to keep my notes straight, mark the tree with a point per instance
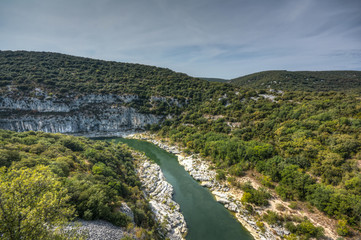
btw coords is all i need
(33, 204)
(7, 157)
(294, 183)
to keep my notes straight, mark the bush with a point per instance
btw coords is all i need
(342, 228)
(260, 225)
(272, 218)
(236, 170)
(258, 197)
(8, 156)
(221, 175)
(306, 229)
(72, 144)
(267, 181)
(293, 205)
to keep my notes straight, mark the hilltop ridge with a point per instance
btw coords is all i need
(302, 80)
(65, 74)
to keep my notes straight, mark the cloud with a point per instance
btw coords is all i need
(213, 38)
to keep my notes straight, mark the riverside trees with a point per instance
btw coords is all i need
(308, 144)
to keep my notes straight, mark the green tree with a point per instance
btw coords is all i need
(33, 204)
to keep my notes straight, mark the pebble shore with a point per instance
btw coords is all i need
(101, 230)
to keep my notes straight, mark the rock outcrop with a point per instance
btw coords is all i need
(92, 115)
(159, 193)
(124, 208)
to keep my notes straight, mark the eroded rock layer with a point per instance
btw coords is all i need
(88, 115)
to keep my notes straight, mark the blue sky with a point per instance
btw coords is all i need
(210, 38)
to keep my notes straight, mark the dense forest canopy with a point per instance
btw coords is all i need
(85, 178)
(302, 80)
(215, 79)
(63, 74)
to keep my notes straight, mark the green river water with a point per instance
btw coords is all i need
(206, 218)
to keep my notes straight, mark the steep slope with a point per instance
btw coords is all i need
(302, 80)
(304, 146)
(95, 115)
(54, 92)
(63, 75)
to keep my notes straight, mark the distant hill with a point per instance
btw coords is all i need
(302, 80)
(215, 79)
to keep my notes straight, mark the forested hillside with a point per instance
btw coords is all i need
(58, 75)
(54, 178)
(62, 74)
(214, 79)
(302, 80)
(305, 144)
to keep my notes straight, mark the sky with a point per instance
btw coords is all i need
(202, 38)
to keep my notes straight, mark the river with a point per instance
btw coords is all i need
(205, 217)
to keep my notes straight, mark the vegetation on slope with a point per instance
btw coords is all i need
(307, 144)
(52, 178)
(31, 202)
(302, 80)
(215, 79)
(62, 75)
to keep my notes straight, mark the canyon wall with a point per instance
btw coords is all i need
(87, 115)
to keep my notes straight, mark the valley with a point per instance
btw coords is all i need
(206, 219)
(299, 145)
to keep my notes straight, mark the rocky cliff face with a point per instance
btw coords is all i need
(88, 115)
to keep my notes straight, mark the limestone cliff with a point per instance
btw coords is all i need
(88, 115)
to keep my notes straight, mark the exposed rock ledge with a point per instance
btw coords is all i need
(200, 171)
(159, 194)
(93, 115)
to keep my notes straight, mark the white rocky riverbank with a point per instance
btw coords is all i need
(159, 193)
(99, 230)
(200, 171)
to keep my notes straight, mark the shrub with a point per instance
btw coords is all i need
(267, 181)
(8, 156)
(72, 144)
(261, 226)
(342, 228)
(221, 175)
(280, 207)
(272, 218)
(293, 205)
